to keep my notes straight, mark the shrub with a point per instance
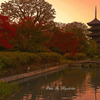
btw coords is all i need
(7, 90)
(63, 61)
(13, 59)
(1, 64)
(81, 56)
(50, 57)
(77, 56)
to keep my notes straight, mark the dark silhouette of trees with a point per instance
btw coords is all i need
(19, 9)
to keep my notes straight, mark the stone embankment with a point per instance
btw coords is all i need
(34, 73)
(89, 63)
(44, 71)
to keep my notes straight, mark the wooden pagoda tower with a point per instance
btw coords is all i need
(95, 29)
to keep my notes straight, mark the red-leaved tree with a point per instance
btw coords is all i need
(64, 42)
(31, 37)
(7, 32)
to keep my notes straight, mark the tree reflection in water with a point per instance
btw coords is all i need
(84, 82)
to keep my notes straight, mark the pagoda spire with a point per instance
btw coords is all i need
(95, 12)
(95, 21)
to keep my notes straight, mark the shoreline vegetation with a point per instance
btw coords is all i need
(13, 63)
(36, 62)
(32, 40)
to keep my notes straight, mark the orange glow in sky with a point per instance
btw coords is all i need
(74, 10)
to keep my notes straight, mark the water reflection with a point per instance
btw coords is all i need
(71, 84)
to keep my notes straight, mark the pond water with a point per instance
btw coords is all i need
(70, 84)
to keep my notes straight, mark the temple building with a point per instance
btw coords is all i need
(95, 29)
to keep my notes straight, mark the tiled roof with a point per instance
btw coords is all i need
(94, 28)
(94, 22)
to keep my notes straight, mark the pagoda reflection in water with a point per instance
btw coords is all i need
(95, 29)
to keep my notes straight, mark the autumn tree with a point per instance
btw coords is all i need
(19, 9)
(52, 27)
(60, 25)
(80, 30)
(64, 42)
(7, 32)
(77, 27)
(30, 36)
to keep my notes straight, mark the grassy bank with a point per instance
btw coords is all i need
(12, 63)
(7, 90)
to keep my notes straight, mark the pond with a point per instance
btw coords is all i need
(69, 84)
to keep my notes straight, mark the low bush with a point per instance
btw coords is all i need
(50, 57)
(77, 56)
(13, 59)
(63, 61)
(7, 90)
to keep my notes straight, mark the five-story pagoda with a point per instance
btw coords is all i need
(95, 29)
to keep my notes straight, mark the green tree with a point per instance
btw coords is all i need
(19, 9)
(92, 49)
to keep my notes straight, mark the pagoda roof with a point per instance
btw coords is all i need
(94, 28)
(94, 22)
(95, 35)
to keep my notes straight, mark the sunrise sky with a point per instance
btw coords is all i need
(74, 10)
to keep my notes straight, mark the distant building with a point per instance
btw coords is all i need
(95, 29)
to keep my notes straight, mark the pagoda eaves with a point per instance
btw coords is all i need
(95, 29)
(94, 22)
